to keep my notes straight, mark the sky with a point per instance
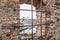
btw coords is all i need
(27, 14)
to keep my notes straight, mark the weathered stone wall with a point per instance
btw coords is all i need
(9, 11)
(54, 31)
(9, 14)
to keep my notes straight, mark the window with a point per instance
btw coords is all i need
(26, 18)
(30, 14)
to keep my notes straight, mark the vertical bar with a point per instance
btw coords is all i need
(19, 21)
(46, 25)
(46, 22)
(32, 16)
(41, 18)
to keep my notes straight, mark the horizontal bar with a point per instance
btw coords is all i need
(33, 25)
(25, 9)
(31, 10)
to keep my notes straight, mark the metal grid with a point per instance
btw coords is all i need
(40, 18)
(41, 24)
(41, 12)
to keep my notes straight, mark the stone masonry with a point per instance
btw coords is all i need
(9, 15)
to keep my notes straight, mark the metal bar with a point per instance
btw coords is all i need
(22, 9)
(19, 21)
(46, 22)
(31, 10)
(41, 17)
(46, 26)
(33, 25)
(32, 16)
(26, 10)
(32, 21)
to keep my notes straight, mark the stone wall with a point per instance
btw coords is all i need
(9, 15)
(54, 30)
(9, 12)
